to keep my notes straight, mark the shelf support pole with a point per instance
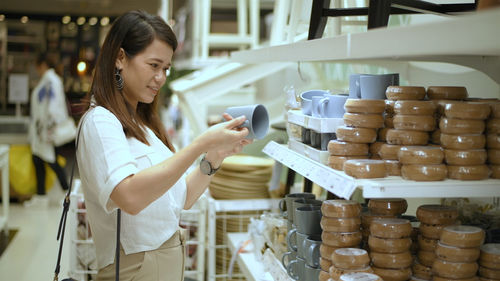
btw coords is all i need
(318, 21)
(378, 13)
(290, 179)
(307, 185)
(330, 196)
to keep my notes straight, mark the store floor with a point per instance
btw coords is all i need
(32, 253)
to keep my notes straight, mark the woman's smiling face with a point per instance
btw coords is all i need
(144, 74)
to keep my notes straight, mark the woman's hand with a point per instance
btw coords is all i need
(219, 141)
(228, 139)
(223, 134)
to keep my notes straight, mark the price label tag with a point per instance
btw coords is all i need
(333, 181)
(349, 188)
(320, 175)
(268, 149)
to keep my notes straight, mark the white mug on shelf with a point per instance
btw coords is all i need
(332, 106)
(373, 87)
(306, 99)
(315, 106)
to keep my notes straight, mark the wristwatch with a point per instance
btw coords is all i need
(206, 167)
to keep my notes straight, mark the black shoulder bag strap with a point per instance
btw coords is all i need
(62, 222)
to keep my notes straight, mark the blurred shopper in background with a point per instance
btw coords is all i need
(48, 107)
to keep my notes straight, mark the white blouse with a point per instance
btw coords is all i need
(106, 157)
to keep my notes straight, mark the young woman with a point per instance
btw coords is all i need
(126, 160)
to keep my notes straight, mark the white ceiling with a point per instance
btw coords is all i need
(77, 7)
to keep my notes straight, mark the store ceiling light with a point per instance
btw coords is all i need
(2, 17)
(24, 19)
(81, 67)
(81, 20)
(66, 19)
(104, 21)
(93, 21)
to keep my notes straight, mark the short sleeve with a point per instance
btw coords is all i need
(105, 158)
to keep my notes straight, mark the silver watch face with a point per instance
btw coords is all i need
(205, 167)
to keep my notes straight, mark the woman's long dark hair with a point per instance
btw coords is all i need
(134, 31)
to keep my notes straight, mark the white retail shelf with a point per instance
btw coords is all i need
(245, 205)
(320, 125)
(471, 40)
(86, 241)
(397, 187)
(333, 181)
(342, 185)
(308, 151)
(264, 268)
(252, 268)
(274, 266)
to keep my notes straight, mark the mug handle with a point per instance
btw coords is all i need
(281, 205)
(313, 251)
(289, 239)
(358, 88)
(283, 259)
(290, 272)
(322, 107)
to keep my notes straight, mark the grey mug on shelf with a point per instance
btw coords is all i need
(301, 202)
(295, 269)
(311, 250)
(306, 100)
(373, 87)
(291, 240)
(311, 273)
(332, 106)
(286, 203)
(307, 219)
(290, 256)
(300, 239)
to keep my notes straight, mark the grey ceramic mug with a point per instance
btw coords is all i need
(301, 202)
(311, 250)
(291, 240)
(290, 256)
(373, 87)
(300, 239)
(257, 117)
(332, 106)
(285, 204)
(307, 219)
(295, 269)
(311, 273)
(354, 90)
(306, 99)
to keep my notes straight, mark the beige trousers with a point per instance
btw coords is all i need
(163, 264)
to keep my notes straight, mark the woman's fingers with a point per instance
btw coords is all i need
(242, 133)
(246, 142)
(234, 123)
(227, 116)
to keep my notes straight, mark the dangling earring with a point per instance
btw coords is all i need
(118, 79)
